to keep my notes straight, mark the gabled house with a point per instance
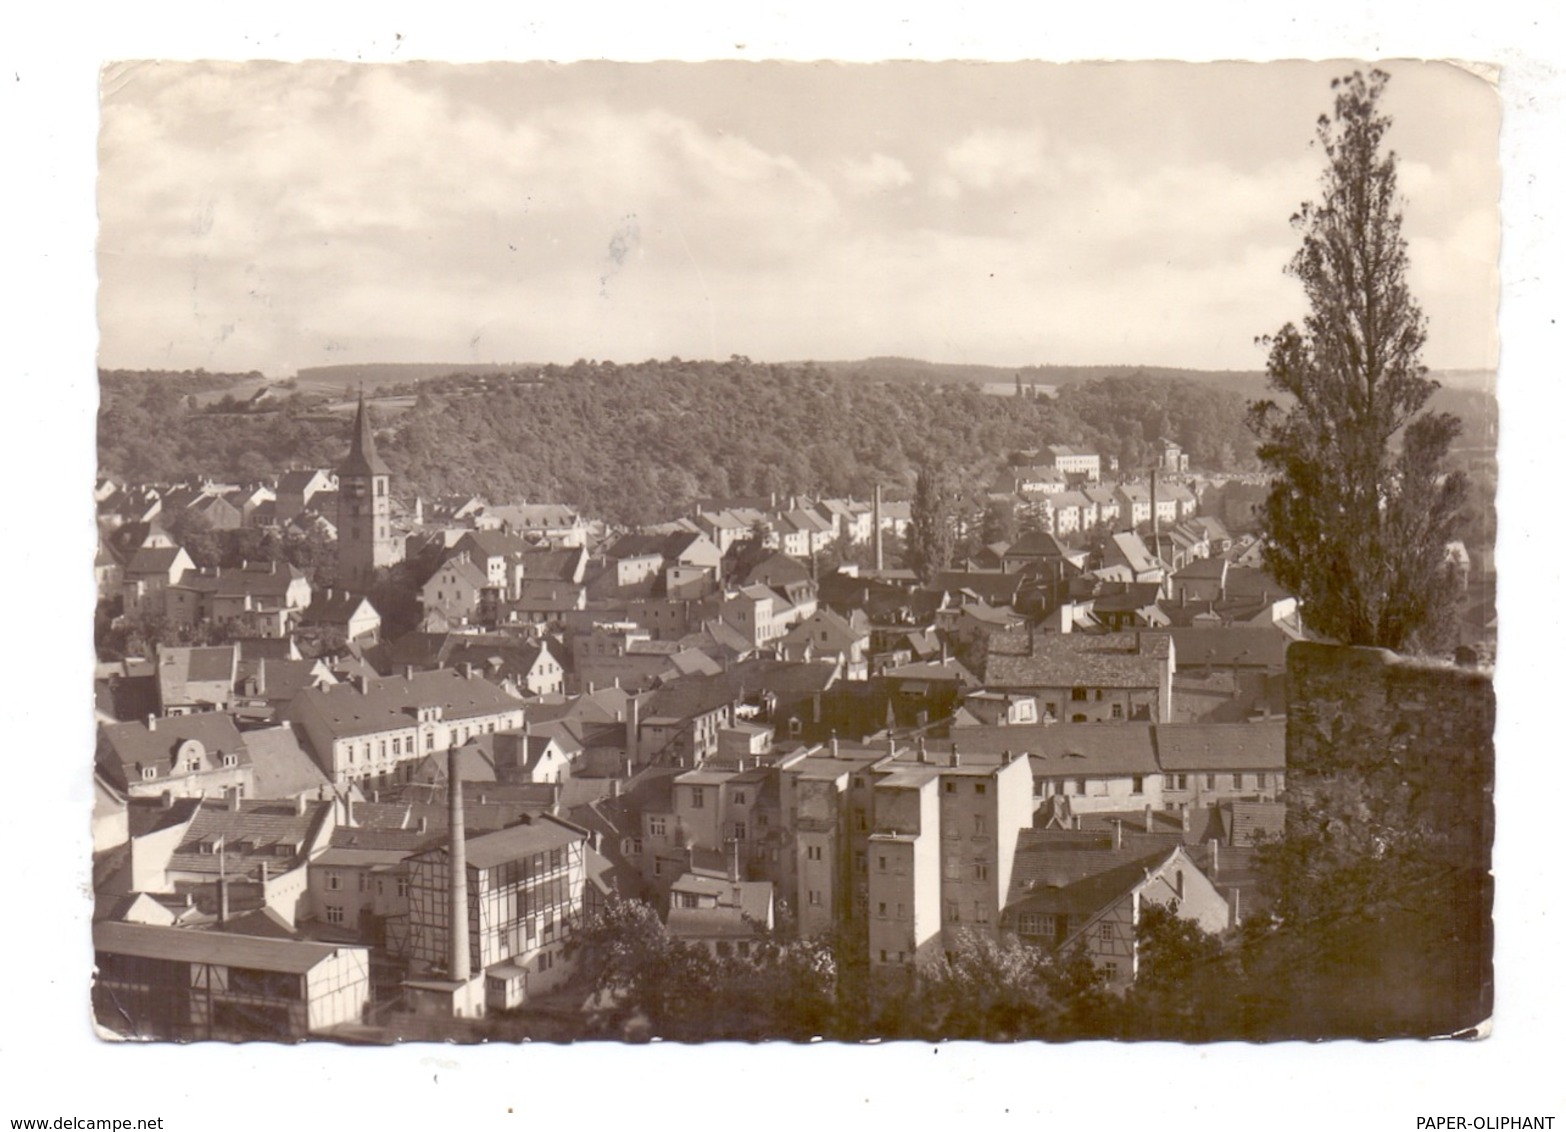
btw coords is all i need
(182, 756)
(1082, 678)
(196, 679)
(1072, 888)
(148, 574)
(827, 636)
(455, 590)
(337, 612)
(297, 489)
(374, 730)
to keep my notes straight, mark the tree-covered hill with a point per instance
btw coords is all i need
(640, 442)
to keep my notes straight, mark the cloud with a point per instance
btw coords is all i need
(992, 159)
(875, 174)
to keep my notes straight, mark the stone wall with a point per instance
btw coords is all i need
(1391, 775)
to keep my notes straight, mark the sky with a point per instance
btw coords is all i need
(272, 216)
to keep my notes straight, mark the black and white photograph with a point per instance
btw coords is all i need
(865, 558)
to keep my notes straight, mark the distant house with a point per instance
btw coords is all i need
(183, 756)
(726, 917)
(1115, 678)
(455, 590)
(196, 679)
(553, 523)
(374, 730)
(148, 574)
(827, 635)
(339, 611)
(1073, 462)
(296, 491)
(1069, 888)
(176, 984)
(526, 889)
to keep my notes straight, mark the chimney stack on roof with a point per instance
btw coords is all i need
(1119, 832)
(956, 758)
(152, 721)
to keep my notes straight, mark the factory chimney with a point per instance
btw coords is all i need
(457, 913)
(876, 520)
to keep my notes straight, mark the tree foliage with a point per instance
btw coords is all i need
(932, 526)
(1363, 508)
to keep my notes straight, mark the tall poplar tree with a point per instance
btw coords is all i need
(932, 535)
(1363, 507)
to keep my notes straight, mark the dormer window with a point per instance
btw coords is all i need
(149, 772)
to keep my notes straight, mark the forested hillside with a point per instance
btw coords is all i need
(638, 443)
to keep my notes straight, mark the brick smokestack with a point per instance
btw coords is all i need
(879, 562)
(457, 914)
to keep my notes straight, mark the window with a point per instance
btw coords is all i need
(230, 760)
(402, 887)
(636, 846)
(813, 853)
(364, 882)
(953, 914)
(688, 900)
(880, 909)
(883, 955)
(980, 787)
(981, 870)
(698, 798)
(429, 740)
(1212, 782)
(1261, 782)
(657, 868)
(1106, 931)
(1136, 784)
(981, 914)
(1078, 695)
(1239, 782)
(148, 772)
(739, 797)
(334, 914)
(1030, 923)
(953, 870)
(1082, 786)
(1098, 693)
(880, 863)
(739, 831)
(815, 897)
(655, 827)
(334, 881)
(978, 825)
(1174, 782)
(1117, 711)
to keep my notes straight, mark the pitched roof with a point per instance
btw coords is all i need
(1064, 750)
(250, 834)
(126, 748)
(363, 459)
(186, 945)
(280, 765)
(153, 560)
(392, 701)
(491, 849)
(1076, 872)
(1249, 646)
(334, 607)
(1060, 660)
(1221, 746)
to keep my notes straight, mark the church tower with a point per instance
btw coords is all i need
(365, 542)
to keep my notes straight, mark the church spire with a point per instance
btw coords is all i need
(363, 459)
